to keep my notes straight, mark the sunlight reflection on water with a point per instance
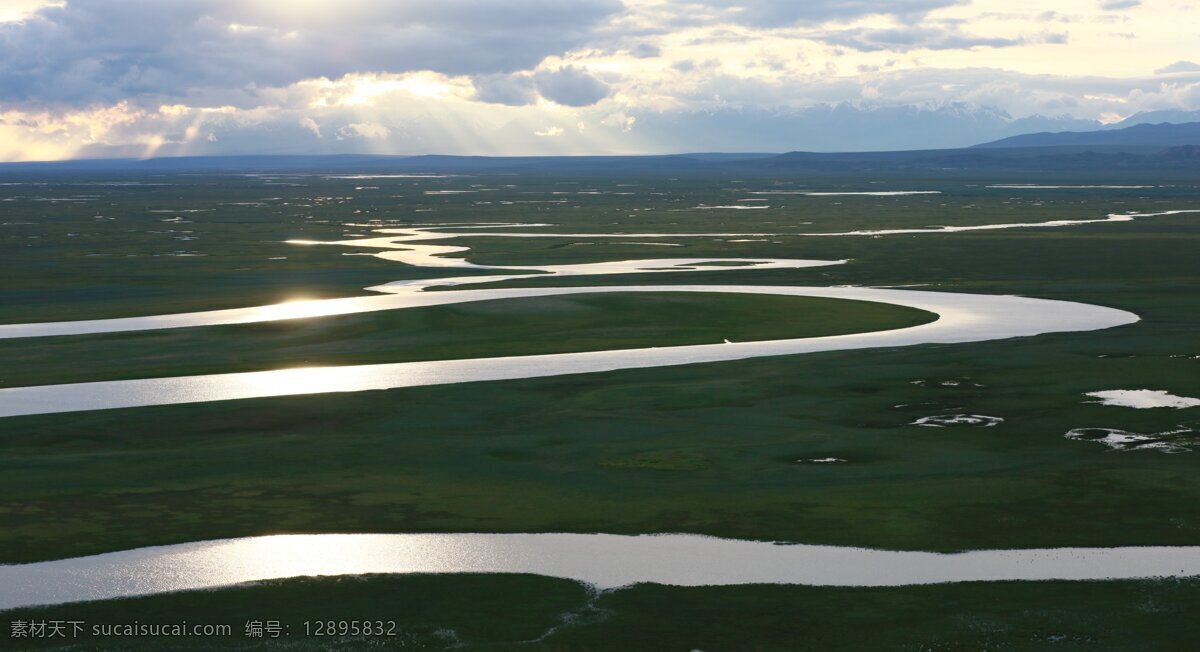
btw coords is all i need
(602, 560)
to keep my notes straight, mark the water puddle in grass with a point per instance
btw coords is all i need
(738, 207)
(603, 560)
(1143, 399)
(1030, 186)
(944, 420)
(415, 175)
(881, 193)
(877, 193)
(1180, 440)
(951, 382)
(1116, 217)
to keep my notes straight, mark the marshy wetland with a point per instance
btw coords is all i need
(722, 446)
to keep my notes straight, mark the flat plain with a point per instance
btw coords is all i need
(714, 449)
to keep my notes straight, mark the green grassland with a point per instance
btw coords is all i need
(516, 612)
(112, 254)
(704, 448)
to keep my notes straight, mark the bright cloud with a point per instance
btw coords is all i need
(15, 10)
(136, 78)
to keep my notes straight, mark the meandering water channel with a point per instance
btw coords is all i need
(605, 561)
(962, 318)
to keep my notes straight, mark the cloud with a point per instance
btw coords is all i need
(566, 85)
(914, 108)
(571, 86)
(1179, 66)
(645, 50)
(225, 51)
(364, 130)
(14, 10)
(1048, 16)
(1015, 93)
(513, 90)
(311, 125)
(904, 39)
(132, 77)
(621, 120)
(785, 13)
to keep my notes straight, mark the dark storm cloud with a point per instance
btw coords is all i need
(108, 50)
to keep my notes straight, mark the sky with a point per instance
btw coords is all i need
(135, 78)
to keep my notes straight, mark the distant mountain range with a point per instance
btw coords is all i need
(1173, 116)
(848, 127)
(1138, 137)
(1159, 151)
(841, 127)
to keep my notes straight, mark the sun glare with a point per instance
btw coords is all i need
(14, 10)
(295, 309)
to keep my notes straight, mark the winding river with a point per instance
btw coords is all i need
(605, 561)
(961, 318)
